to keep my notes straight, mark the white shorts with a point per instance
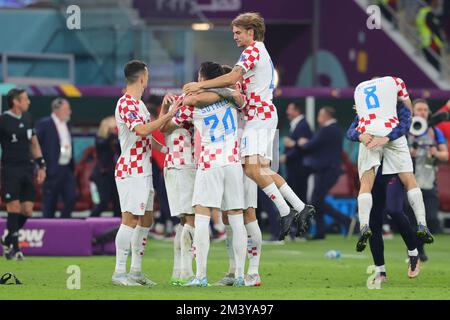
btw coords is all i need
(250, 193)
(136, 194)
(258, 138)
(180, 189)
(395, 156)
(220, 188)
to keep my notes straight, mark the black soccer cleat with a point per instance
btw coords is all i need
(304, 221)
(413, 266)
(424, 234)
(366, 233)
(286, 223)
(7, 249)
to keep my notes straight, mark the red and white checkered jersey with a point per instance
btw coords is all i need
(135, 158)
(258, 82)
(376, 104)
(180, 143)
(217, 125)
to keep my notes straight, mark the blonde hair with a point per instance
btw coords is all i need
(251, 20)
(106, 124)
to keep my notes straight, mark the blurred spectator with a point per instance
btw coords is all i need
(108, 150)
(429, 28)
(426, 150)
(55, 137)
(297, 173)
(324, 153)
(446, 17)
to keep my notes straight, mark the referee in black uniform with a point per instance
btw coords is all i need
(19, 147)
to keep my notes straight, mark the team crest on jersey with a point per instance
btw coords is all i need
(132, 116)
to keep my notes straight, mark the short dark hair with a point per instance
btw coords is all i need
(420, 100)
(12, 95)
(300, 108)
(133, 69)
(210, 70)
(330, 110)
(226, 68)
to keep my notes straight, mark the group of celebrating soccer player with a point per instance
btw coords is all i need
(219, 148)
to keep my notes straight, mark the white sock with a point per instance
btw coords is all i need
(364, 207)
(380, 268)
(187, 237)
(201, 244)
(275, 195)
(290, 196)
(413, 253)
(177, 252)
(138, 243)
(415, 200)
(254, 242)
(239, 242)
(229, 244)
(123, 242)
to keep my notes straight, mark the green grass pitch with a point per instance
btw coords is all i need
(297, 270)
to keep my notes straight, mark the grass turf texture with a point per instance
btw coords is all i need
(294, 271)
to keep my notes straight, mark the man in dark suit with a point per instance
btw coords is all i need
(56, 140)
(324, 159)
(297, 173)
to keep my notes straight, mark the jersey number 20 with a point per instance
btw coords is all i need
(371, 97)
(228, 116)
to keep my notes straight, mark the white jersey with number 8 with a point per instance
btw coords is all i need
(376, 104)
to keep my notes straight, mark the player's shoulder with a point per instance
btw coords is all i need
(127, 101)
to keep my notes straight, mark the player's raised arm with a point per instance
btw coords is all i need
(225, 80)
(201, 99)
(235, 97)
(144, 130)
(170, 125)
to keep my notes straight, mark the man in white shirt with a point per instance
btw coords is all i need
(54, 135)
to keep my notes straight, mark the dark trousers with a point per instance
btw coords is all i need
(63, 184)
(324, 180)
(297, 179)
(432, 60)
(107, 191)
(265, 204)
(160, 188)
(388, 198)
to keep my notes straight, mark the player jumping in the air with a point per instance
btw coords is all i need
(257, 70)
(376, 106)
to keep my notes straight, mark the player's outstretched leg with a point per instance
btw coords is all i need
(254, 244)
(415, 199)
(201, 247)
(228, 278)
(138, 244)
(187, 237)
(176, 272)
(236, 220)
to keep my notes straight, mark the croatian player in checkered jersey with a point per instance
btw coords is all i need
(179, 177)
(256, 68)
(218, 182)
(376, 106)
(133, 175)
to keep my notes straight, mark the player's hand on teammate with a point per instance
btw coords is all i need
(365, 138)
(169, 99)
(377, 142)
(178, 104)
(191, 87)
(41, 176)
